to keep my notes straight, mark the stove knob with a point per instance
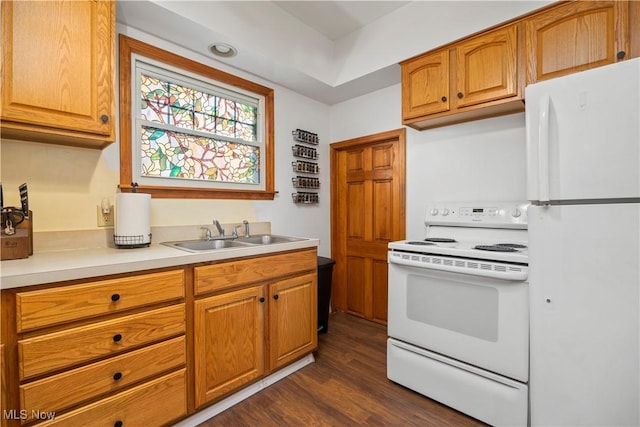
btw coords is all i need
(515, 212)
(434, 212)
(445, 212)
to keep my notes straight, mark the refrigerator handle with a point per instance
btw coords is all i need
(543, 150)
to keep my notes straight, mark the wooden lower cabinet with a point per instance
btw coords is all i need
(107, 365)
(243, 334)
(293, 319)
(154, 403)
(149, 349)
(228, 341)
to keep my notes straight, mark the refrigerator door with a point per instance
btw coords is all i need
(583, 135)
(584, 282)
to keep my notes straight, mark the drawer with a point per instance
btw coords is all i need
(231, 274)
(155, 403)
(56, 350)
(35, 309)
(102, 377)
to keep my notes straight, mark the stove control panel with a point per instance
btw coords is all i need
(478, 214)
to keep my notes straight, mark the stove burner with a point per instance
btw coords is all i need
(512, 245)
(421, 243)
(440, 240)
(495, 248)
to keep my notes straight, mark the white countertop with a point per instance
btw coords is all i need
(56, 266)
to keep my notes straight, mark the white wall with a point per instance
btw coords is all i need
(476, 161)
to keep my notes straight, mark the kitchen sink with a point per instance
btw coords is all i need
(205, 245)
(267, 239)
(240, 242)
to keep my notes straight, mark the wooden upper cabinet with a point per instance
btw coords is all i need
(58, 71)
(425, 85)
(479, 77)
(486, 67)
(576, 36)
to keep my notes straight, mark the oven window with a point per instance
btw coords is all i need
(454, 305)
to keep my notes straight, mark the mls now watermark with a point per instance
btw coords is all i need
(23, 414)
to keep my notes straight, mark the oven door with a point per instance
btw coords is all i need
(478, 320)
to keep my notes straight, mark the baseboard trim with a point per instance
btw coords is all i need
(245, 393)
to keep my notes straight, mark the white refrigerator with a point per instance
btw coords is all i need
(583, 167)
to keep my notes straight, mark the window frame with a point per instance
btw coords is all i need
(127, 48)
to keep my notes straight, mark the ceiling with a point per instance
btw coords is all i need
(330, 51)
(336, 19)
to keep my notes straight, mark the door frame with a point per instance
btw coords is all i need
(338, 239)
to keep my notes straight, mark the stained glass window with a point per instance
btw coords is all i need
(191, 130)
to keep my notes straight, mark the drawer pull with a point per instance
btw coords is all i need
(115, 297)
(117, 338)
(117, 376)
(118, 424)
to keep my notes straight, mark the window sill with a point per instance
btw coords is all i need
(199, 193)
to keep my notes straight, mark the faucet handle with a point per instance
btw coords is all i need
(208, 233)
(235, 231)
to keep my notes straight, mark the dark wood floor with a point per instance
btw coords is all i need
(346, 386)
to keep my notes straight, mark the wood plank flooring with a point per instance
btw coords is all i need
(346, 386)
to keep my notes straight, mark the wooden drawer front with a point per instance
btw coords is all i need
(57, 350)
(36, 309)
(103, 377)
(155, 403)
(237, 273)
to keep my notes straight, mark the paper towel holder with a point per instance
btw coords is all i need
(132, 242)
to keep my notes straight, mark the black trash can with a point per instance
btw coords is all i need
(325, 273)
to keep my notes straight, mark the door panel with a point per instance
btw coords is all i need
(368, 211)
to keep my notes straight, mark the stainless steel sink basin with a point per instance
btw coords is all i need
(267, 239)
(240, 242)
(205, 245)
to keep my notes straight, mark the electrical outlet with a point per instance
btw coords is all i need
(105, 219)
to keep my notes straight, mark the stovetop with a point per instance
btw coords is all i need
(487, 250)
(495, 231)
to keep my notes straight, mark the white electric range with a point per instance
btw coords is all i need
(458, 319)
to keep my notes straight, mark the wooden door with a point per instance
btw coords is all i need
(486, 67)
(228, 342)
(368, 211)
(576, 36)
(293, 319)
(425, 85)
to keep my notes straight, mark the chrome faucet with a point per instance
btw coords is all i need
(246, 228)
(219, 227)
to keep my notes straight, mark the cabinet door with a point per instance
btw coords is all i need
(58, 67)
(576, 36)
(228, 342)
(293, 330)
(425, 85)
(487, 67)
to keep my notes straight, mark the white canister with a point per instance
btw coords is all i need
(132, 225)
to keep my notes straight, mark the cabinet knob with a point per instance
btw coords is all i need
(115, 297)
(117, 338)
(276, 296)
(621, 54)
(444, 99)
(104, 118)
(118, 424)
(261, 299)
(460, 95)
(117, 376)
